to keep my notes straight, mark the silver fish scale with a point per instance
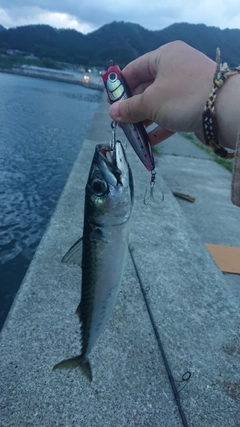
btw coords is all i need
(89, 273)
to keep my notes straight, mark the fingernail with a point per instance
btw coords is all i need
(114, 111)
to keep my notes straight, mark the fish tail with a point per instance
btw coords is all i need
(76, 362)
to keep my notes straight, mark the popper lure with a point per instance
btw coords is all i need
(117, 89)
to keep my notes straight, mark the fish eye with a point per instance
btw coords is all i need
(99, 187)
(113, 77)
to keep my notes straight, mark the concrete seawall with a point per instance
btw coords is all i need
(196, 315)
(58, 77)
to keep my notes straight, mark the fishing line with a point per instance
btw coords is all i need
(187, 375)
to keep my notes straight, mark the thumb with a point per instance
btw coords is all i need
(129, 110)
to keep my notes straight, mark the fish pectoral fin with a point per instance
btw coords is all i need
(76, 362)
(74, 255)
(96, 234)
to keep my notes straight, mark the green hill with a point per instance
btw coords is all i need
(119, 41)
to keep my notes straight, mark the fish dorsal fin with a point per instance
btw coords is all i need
(74, 255)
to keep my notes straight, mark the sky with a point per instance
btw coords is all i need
(88, 15)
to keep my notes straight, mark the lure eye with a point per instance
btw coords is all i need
(113, 77)
(99, 187)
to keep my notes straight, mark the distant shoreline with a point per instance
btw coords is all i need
(60, 78)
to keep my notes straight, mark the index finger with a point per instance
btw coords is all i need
(139, 71)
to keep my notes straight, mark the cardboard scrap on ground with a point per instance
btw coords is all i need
(227, 258)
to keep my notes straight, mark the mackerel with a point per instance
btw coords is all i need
(102, 250)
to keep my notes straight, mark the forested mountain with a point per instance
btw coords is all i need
(119, 41)
(1, 28)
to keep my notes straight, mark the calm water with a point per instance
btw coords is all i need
(42, 126)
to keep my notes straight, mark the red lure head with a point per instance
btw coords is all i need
(115, 84)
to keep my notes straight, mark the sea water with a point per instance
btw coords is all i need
(42, 127)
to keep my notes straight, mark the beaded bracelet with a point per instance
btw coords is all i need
(209, 118)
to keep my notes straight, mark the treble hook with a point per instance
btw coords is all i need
(113, 140)
(146, 199)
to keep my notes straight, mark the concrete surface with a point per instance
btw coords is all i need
(195, 310)
(213, 216)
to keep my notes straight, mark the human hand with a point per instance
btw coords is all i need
(170, 87)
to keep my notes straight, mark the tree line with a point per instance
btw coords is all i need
(120, 41)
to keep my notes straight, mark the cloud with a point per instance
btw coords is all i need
(86, 15)
(215, 13)
(95, 12)
(35, 15)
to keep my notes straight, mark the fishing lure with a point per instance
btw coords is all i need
(117, 89)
